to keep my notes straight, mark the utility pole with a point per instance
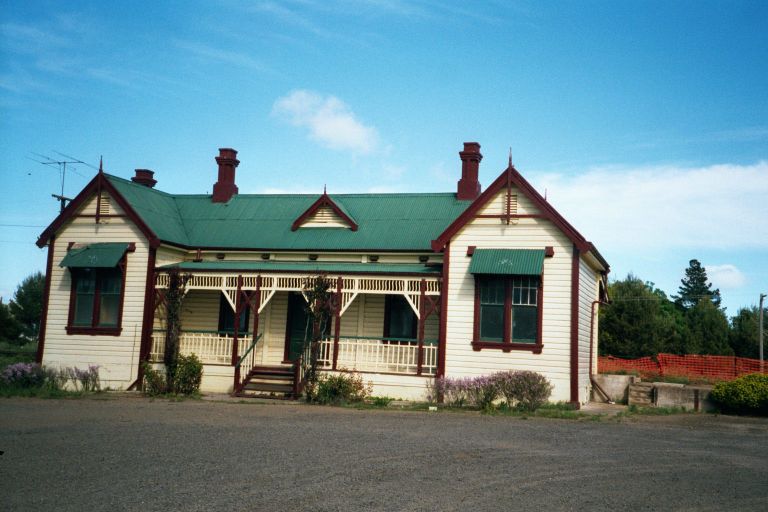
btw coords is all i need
(760, 331)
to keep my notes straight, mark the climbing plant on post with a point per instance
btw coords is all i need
(320, 307)
(174, 298)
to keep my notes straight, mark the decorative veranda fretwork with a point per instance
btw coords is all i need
(351, 287)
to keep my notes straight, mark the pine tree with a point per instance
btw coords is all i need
(694, 287)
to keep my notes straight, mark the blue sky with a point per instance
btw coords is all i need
(646, 123)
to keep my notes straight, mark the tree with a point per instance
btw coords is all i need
(27, 306)
(321, 305)
(640, 321)
(709, 329)
(174, 298)
(10, 330)
(694, 287)
(744, 339)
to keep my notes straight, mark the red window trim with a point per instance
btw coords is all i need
(97, 330)
(507, 345)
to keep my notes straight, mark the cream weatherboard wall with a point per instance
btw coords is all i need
(524, 233)
(588, 293)
(116, 356)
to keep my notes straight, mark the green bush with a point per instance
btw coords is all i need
(745, 395)
(154, 381)
(341, 389)
(189, 373)
(523, 390)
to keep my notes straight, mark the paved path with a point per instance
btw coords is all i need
(135, 454)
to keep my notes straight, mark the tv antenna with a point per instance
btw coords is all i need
(62, 166)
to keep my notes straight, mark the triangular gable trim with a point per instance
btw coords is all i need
(324, 200)
(97, 184)
(512, 176)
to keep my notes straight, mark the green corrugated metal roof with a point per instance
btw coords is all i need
(527, 262)
(104, 255)
(263, 221)
(307, 266)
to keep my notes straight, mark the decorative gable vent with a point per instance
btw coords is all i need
(104, 206)
(324, 213)
(324, 217)
(509, 206)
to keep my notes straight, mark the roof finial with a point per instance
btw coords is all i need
(510, 156)
(101, 167)
(325, 190)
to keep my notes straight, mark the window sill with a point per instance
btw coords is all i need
(507, 347)
(94, 331)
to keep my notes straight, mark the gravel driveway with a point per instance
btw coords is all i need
(135, 454)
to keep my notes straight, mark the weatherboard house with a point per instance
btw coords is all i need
(453, 284)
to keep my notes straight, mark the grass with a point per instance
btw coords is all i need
(10, 354)
(634, 410)
(38, 392)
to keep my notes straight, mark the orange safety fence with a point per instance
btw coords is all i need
(690, 365)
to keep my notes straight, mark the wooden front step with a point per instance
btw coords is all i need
(269, 382)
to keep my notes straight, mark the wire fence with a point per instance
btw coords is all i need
(690, 366)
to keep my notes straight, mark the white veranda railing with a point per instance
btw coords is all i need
(210, 347)
(377, 355)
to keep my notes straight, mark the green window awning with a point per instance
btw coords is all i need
(104, 255)
(520, 262)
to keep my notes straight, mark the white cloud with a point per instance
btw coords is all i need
(665, 207)
(725, 276)
(330, 121)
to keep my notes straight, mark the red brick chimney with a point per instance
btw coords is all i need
(144, 177)
(225, 188)
(469, 186)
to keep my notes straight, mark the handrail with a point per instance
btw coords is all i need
(240, 378)
(381, 338)
(250, 347)
(201, 331)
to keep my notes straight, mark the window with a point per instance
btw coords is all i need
(507, 312)
(227, 318)
(399, 320)
(96, 301)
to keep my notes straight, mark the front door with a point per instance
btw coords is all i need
(296, 328)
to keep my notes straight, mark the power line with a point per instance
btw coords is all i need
(62, 166)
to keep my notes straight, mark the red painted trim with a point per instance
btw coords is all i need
(46, 300)
(477, 346)
(96, 184)
(549, 251)
(575, 325)
(94, 329)
(338, 250)
(508, 344)
(422, 319)
(443, 335)
(471, 250)
(323, 200)
(511, 216)
(148, 320)
(521, 183)
(337, 322)
(400, 274)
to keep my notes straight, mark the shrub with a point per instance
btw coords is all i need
(154, 381)
(481, 391)
(745, 395)
(189, 373)
(24, 375)
(341, 389)
(524, 389)
(88, 379)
